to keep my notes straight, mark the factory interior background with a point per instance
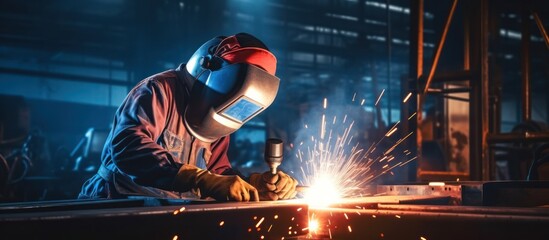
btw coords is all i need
(65, 66)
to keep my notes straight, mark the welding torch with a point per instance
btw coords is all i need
(274, 153)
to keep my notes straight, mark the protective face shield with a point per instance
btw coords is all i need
(234, 83)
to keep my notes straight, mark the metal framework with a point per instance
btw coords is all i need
(484, 100)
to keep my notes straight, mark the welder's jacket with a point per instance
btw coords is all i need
(148, 143)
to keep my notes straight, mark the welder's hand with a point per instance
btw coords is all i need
(279, 186)
(219, 187)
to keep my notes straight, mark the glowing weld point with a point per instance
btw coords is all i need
(268, 230)
(262, 237)
(350, 230)
(175, 212)
(397, 216)
(182, 209)
(299, 209)
(313, 225)
(422, 238)
(221, 223)
(293, 218)
(275, 216)
(175, 237)
(346, 217)
(322, 192)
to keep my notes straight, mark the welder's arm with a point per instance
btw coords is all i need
(279, 186)
(139, 122)
(219, 187)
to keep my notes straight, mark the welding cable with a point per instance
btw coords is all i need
(25, 166)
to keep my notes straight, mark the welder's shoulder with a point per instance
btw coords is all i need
(164, 80)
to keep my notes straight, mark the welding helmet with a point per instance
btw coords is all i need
(234, 80)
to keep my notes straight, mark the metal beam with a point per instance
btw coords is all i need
(541, 28)
(440, 45)
(525, 63)
(416, 70)
(481, 165)
(196, 220)
(518, 137)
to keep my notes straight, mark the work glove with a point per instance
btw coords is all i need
(219, 187)
(279, 186)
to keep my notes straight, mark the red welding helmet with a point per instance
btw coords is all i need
(234, 80)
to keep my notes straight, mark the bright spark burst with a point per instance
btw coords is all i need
(323, 192)
(314, 226)
(335, 167)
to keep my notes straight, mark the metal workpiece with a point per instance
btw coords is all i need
(372, 202)
(515, 137)
(197, 220)
(416, 222)
(450, 191)
(476, 193)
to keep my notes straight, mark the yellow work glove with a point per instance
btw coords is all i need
(219, 187)
(279, 186)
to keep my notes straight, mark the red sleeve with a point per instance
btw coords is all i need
(139, 122)
(219, 161)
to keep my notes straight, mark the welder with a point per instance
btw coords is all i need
(170, 136)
